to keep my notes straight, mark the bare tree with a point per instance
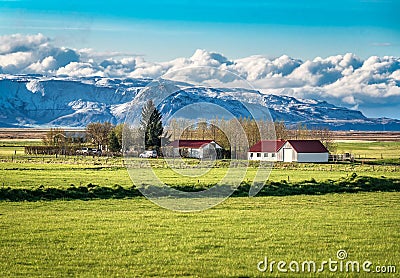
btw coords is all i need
(55, 137)
(202, 128)
(326, 137)
(98, 133)
(281, 130)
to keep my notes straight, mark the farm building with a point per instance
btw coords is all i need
(267, 150)
(196, 148)
(289, 151)
(304, 151)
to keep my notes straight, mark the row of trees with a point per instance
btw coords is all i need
(108, 137)
(236, 135)
(105, 136)
(221, 130)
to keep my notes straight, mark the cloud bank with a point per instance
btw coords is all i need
(371, 85)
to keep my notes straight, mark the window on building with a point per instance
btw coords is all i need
(251, 154)
(273, 154)
(258, 154)
(265, 154)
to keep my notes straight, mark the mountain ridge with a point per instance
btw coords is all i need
(39, 101)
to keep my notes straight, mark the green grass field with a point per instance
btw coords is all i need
(134, 237)
(21, 175)
(18, 171)
(376, 150)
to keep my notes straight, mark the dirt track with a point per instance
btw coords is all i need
(367, 135)
(39, 133)
(29, 133)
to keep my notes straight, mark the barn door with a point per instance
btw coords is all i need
(287, 155)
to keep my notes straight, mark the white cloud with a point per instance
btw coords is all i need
(79, 69)
(32, 54)
(46, 65)
(13, 62)
(341, 79)
(21, 43)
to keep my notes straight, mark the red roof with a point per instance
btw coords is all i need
(271, 146)
(308, 146)
(193, 144)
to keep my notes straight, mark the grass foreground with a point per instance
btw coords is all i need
(350, 184)
(134, 237)
(98, 225)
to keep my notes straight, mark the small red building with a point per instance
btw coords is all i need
(195, 148)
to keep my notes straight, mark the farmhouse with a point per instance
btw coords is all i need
(304, 151)
(266, 150)
(289, 151)
(196, 148)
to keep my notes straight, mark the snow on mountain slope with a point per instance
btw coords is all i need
(34, 100)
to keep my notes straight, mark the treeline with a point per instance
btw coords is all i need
(234, 135)
(237, 134)
(103, 136)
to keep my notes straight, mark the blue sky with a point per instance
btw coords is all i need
(162, 30)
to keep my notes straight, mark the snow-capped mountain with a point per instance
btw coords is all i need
(34, 100)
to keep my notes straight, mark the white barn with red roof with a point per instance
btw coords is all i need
(289, 151)
(195, 148)
(304, 151)
(266, 150)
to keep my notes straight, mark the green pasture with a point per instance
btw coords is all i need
(20, 142)
(26, 175)
(24, 171)
(9, 151)
(134, 237)
(376, 150)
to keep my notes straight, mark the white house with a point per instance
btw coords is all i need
(266, 150)
(304, 151)
(289, 151)
(196, 148)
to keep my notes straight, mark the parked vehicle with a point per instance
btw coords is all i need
(95, 152)
(89, 151)
(83, 151)
(148, 154)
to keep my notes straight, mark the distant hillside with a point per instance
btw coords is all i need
(36, 101)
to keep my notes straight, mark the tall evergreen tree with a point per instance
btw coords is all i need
(114, 144)
(152, 126)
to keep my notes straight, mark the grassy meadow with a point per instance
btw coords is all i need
(374, 150)
(18, 170)
(29, 175)
(132, 237)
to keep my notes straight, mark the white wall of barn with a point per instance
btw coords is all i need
(286, 150)
(262, 156)
(312, 157)
(300, 157)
